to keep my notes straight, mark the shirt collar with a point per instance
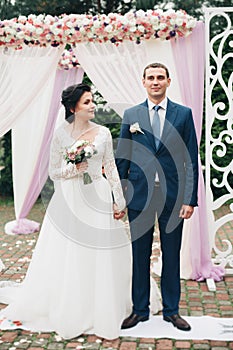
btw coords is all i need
(163, 104)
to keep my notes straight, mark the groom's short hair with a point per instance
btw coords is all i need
(156, 65)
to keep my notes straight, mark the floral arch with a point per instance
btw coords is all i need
(112, 49)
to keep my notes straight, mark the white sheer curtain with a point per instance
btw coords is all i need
(27, 80)
(27, 135)
(27, 190)
(40, 119)
(116, 71)
(23, 75)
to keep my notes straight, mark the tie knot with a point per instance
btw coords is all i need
(156, 108)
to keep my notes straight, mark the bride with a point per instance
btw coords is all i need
(80, 275)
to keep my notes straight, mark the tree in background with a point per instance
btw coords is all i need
(6, 9)
(194, 8)
(58, 7)
(6, 184)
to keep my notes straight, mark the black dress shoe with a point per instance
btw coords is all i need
(133, 320)
(178, 322)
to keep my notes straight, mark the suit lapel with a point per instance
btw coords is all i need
(171, 115)
(145, 123)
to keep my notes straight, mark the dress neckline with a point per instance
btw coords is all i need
(83, 133)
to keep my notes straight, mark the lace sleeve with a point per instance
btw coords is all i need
(112, 173)
(58, 168)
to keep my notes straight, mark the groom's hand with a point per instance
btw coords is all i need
(186, 211)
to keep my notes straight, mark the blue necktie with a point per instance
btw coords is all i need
(156, 125)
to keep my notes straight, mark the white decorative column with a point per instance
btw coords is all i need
(219, 55)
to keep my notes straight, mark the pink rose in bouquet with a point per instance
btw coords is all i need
(79, 152)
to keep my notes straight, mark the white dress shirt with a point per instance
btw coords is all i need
(162, 114)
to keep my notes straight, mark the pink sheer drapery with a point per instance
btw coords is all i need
(189, 60)
(63, 79)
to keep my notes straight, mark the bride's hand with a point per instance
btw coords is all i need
(116, 213)
(81, 167)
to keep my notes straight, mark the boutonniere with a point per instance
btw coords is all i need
(134, 128)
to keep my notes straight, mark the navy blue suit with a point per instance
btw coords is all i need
(176, 163)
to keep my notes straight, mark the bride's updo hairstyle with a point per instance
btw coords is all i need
(69, 98)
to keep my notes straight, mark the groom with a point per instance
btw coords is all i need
(157, 159)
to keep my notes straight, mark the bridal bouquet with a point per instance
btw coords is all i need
(79, 152)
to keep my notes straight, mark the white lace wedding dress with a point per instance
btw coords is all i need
(80, 275)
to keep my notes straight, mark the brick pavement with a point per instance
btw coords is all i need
(196, 300)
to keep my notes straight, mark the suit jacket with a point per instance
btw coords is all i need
(175, 160)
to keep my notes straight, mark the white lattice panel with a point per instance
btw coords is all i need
(219, 56)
